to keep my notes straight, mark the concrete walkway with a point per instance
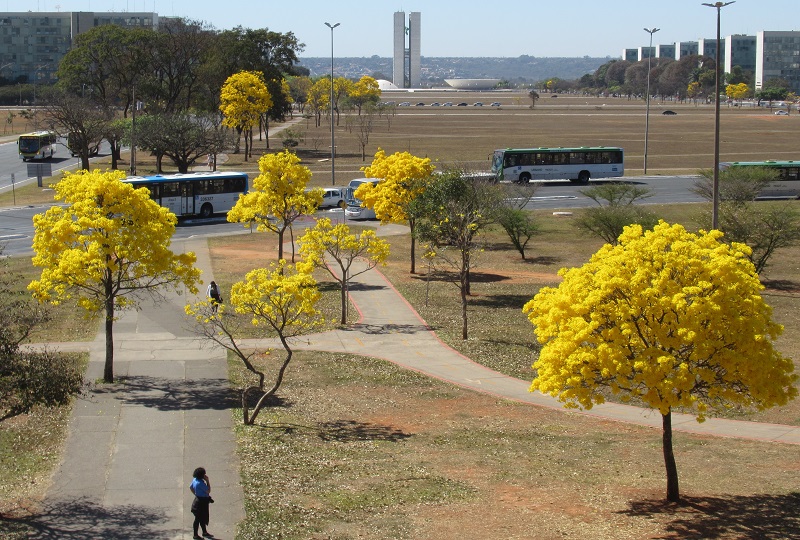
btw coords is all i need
(133, 445)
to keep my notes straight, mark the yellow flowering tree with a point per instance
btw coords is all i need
(281, 299)
(365, 90)
(278, 196)
(319, 98)
(106, 248)
(670, 318)
(404, 177)
(337, 243)
(243, 99)
(737, 91)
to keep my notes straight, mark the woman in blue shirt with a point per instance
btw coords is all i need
(201, 489)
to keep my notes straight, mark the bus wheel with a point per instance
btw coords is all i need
(524, 178)
(583, 177)
(206, 210)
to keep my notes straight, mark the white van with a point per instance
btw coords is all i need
(354, 210)
(333, 198)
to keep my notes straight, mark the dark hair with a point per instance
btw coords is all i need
(199, 473)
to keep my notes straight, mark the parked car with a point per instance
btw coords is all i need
(781, 113)
(420, 104)
(448, 104)
(435, 104)
(332, 198)
(669, 113)
(477, 104)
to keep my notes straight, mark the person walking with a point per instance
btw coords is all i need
(213, 294)
(201, 489)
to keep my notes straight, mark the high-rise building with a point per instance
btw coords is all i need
(740, 50)
(778, 57)
(32, 44)
(406, 69)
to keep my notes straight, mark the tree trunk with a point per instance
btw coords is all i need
(344, 297)
(85, 161)
(280, 243)
(108, 370)
(673, 492)
(246, 145)
(413, 247)
(463, 312)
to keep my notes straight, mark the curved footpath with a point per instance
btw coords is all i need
(132, 446)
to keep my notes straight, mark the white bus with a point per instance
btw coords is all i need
(354, 209)
(521, 165)
(202, 193)
(37, 145)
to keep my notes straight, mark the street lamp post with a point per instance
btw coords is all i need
(333, 145)
(650, 31)
(715, 197)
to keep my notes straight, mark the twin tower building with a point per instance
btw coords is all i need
(406, 58)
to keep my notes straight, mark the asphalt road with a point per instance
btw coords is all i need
(16, 224)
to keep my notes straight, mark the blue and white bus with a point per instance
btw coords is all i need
(194, 194)
(521, 165)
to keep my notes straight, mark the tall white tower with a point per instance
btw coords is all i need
(406, 72)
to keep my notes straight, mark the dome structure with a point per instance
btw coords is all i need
(473, 84)
(383, 84)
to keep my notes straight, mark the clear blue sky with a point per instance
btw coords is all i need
(467, 27)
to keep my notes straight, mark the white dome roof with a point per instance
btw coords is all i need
(383, 84)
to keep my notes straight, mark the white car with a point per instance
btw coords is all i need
(782, 113)
(332, 198)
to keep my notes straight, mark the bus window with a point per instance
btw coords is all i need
(170, 189)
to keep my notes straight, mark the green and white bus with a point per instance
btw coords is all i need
(521, 165)
(194, 194)
(787, 186)
(37, 145)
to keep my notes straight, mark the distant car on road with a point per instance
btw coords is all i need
(477, 104)
(420, 104)
(448, 104)
(435, 104)
(669, 113)
(462, 104)
(495, 104)
(405, 104)
(781, 113)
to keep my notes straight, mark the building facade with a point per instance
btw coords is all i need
(32, 44)
(778, 57)
(740, 50)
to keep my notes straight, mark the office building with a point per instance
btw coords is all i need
(32, 44)
(778, 57)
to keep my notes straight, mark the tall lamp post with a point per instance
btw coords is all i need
(333, 145)
(715, 196)
(650, 31)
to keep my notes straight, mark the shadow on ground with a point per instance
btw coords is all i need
(752, 516)
(173, 395)
(84, 520)
(378, 329)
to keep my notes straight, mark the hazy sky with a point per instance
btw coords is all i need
(466, 27)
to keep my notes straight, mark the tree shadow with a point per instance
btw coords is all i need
(783, 285)
(474, 277)
(379, 329)
(173, 395)
(736, 516)
(82, 519)
(514, 301)
(352, 431)
(543, 260)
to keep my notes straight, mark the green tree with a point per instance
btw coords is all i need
(403, 178)
(29, 379)
(667, 317)
(765, 228)
(326, 241)
(520, 226)
(106, 248)
(243, 99)
(616, 209)
(453, 211)
(281, 299)
(182, 137)
(77, 119)
(278, 196)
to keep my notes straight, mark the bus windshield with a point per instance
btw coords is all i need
(29, 144)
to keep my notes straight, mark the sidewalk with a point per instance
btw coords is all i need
(132, 447)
